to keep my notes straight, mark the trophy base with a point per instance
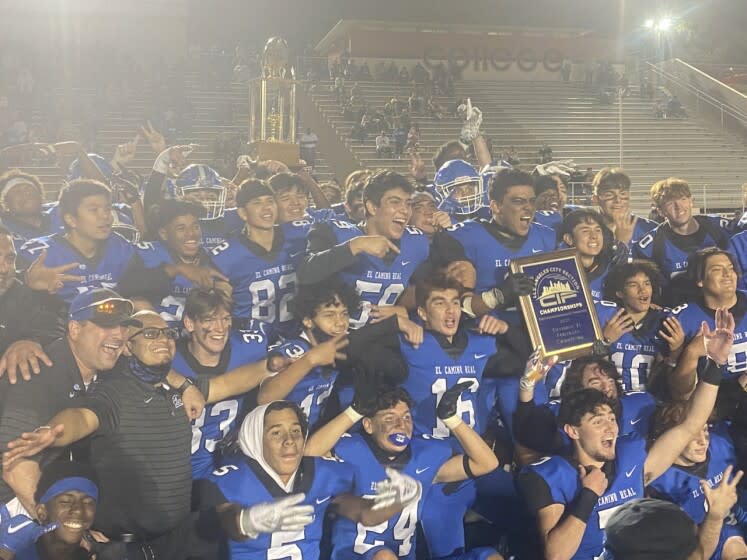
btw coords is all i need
(289, 154)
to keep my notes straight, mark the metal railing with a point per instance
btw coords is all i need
(729, 115)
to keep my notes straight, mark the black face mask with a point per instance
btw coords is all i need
(151, 375)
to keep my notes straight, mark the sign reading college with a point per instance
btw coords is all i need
(559, 313)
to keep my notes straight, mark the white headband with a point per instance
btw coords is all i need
(14, 182)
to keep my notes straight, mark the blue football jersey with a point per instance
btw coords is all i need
(635, 352)
(22, 231)
(548, 218)
(421, 460)
(671, 251)
(491, 257)
(691, 315)
(738, 247)
(681, 485)
(643, 226)
(322, 480)
(312, 391)
(102, 271)
(625, 484)
(170, 308)
(263, 282)
(380, 281)
(218, 419)
(432, 371)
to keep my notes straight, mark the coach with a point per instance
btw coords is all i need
(94, 340)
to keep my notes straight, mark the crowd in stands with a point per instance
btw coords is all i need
(235, 361)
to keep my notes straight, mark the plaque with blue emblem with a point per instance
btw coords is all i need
(559, 313)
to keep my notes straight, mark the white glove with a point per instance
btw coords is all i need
(562, 167)
(281, 515)
(398, 489)
(471, 126)
(161, 165)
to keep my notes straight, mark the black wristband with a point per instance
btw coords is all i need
(584, 504)
(184, 386)
(711, 372)
(465, 464)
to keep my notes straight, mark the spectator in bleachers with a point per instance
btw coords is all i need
(404, 76)
(400, 138)
(545, 153)
(364, 73)
(383, 145)
(433, 109)
(413, 137)
(308, 141)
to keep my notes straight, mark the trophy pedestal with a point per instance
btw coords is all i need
(287, 153)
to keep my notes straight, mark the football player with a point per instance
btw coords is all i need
(271, 500)
(708, 459)
(672, 242)
(174, 263)
(260, 261)
(460, 191)
(380, 257)
(387, 440)
(574, 496)
(94, 256)
(612, 195)
(22, 198)
(209, 357)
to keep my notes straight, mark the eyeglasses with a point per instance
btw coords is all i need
(152, 333)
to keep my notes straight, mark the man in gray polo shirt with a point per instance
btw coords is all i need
(140, 442)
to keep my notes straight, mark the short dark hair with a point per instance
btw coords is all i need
(387, 397)
(378, 184)
(574, 375)
(506, 178)
(201, 301)
(285, 181)
(544, 183)
(311, 297)
(610, 178)
(580, 216)
(696, 264)
(621, 273)
(289, 405)
(251, 189)
(665, 417)
(447, 151)
(72, 195)
(575, 406)
(168, 210)
(432, 283)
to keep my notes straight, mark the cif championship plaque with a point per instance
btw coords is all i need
(559, 313)
(272, 107)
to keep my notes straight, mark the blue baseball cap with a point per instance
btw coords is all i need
(103, 307)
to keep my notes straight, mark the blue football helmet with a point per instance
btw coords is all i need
(201, 182)
(459, 188)
(73, 171)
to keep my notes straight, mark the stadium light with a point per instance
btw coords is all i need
(648, 24)
(665, 24)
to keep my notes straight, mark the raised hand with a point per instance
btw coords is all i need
(327, 353)
(471, 126)
(619, 324)
(281, 515)
(23, 356)
(155, 139)
(536, 368)
(718, 342)
(31, 443)
(491, 325)
(515, 285)
(412, 332)
(672, 333)
(398, 490)
(447, 409)
(125, 152)
(50, 279)
(720, 499)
